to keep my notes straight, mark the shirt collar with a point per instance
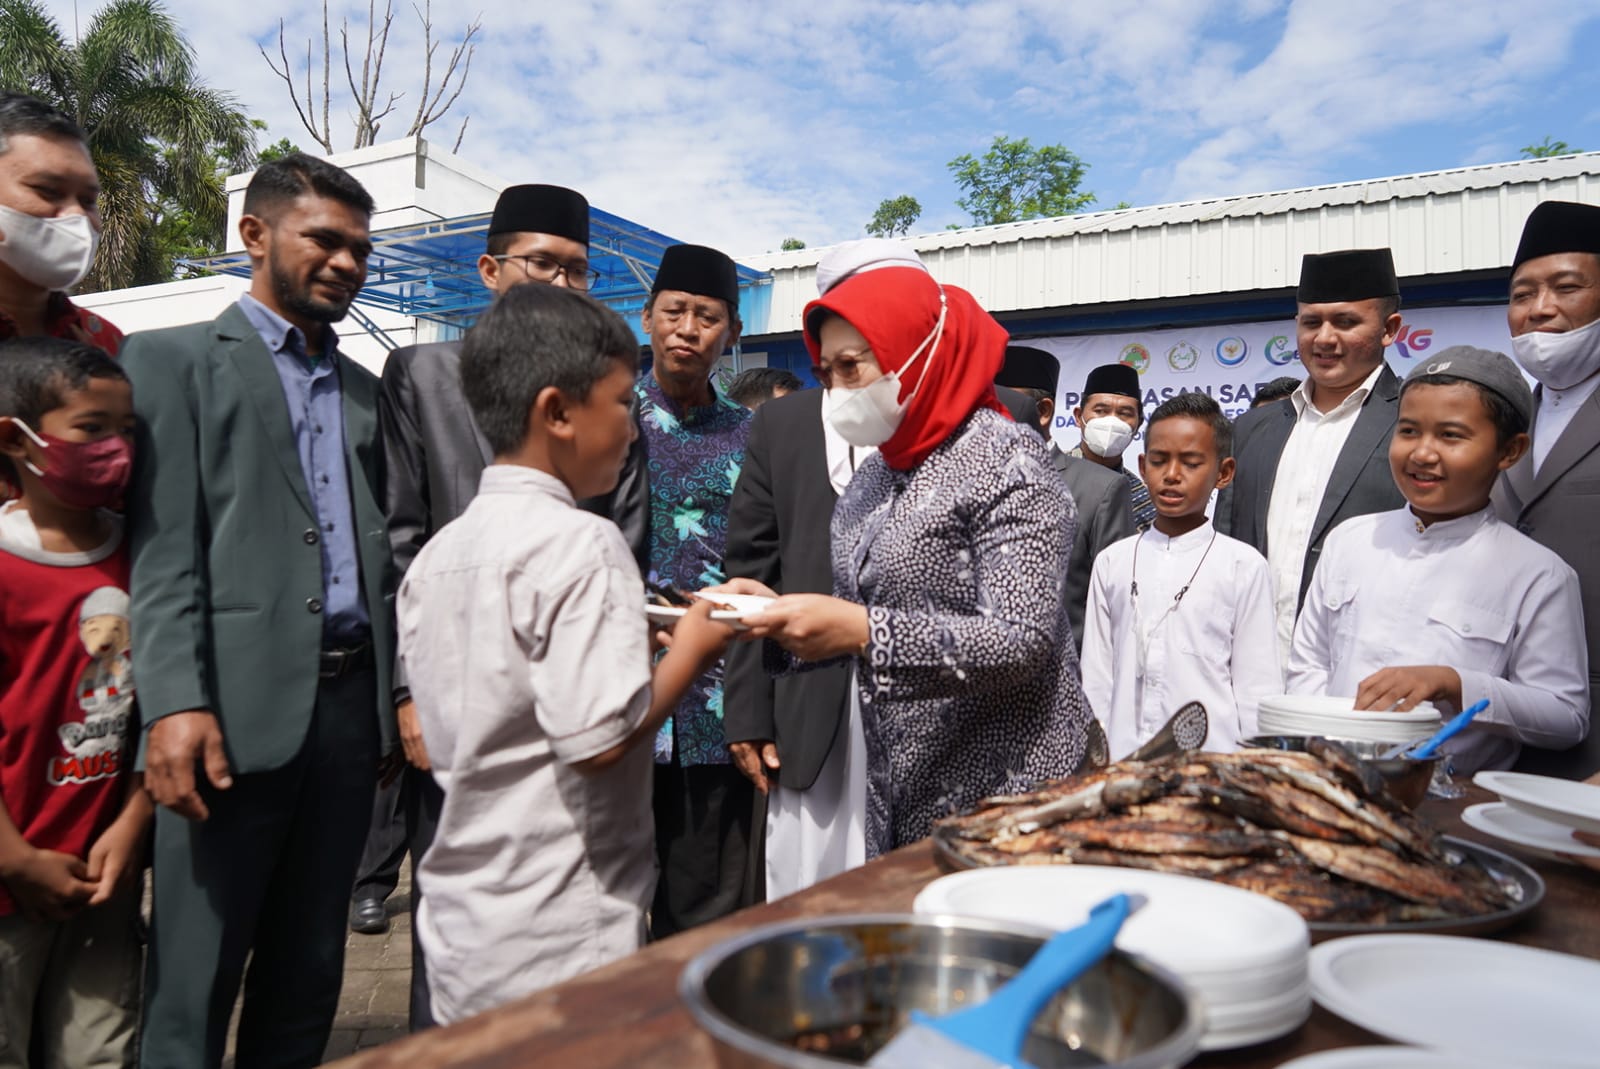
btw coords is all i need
(520, 479)
(1457, 530)
(650, 390)
(278, 333)
(1200, 536)
(1301, 398)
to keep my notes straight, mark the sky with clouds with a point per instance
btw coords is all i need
(740, 123)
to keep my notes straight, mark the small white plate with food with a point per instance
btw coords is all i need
(667, 605)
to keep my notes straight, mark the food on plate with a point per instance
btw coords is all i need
(1315, 830)
(670, 596)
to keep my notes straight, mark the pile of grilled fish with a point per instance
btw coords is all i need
(1314, 830)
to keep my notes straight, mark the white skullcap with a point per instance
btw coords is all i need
(106, 601)
(867, 254)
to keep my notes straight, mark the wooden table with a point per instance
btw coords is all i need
(628, 1013)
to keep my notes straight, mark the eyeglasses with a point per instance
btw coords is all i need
(542, 268)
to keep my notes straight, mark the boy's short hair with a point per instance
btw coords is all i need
(1508, 422)
(282, 181)
(759, 384)
(37, 373)
(1276, 390)
(533, 337)
(1196, 406)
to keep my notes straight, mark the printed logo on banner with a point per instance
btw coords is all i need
(1135, 356)
(1183, 357)
(1231, 351)
(1278, 350)
(1411, 341)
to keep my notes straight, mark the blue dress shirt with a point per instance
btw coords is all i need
(316, 416)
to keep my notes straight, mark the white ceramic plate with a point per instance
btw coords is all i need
(1542, 837)
(1506, 1004)
(1386, 1058)
(741, 605)
(1320, 705)
(1577, 805)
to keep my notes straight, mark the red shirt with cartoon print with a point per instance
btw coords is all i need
(66, 689)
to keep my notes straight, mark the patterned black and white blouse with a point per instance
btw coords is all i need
(970, 682)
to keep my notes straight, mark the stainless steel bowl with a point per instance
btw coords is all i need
(1406, 777)
(850, 983)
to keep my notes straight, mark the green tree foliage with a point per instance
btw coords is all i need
(1548, 148)
(792, 244)
(895, 217)
(162, 141)
(1014, 181)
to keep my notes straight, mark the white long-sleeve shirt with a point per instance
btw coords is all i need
(1217, 646)
(1473, 594)
(1302, 477)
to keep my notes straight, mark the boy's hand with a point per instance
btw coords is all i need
(49, 885)
(700, 637)
(754, 760)
(813, 627)
(411, 734)
(177, 743)
(117, 857)
(1402, 689)
(742, 586)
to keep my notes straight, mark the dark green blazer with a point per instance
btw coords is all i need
(227, 571)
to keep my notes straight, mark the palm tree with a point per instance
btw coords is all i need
(162, 141)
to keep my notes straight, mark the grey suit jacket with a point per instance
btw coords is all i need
(1560, 508)
(1104, 517)
(227, 570)
(1361, 482)
(778, 533)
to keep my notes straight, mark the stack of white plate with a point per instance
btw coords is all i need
(1244, 954)
(1337, 718)
(1538, 813)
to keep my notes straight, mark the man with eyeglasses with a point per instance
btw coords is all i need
(434, 455)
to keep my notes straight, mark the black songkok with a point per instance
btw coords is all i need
(542, 210)
(1027, 368)
(698, 270)
(1349, 275)
(1558, 226)
(1119, 379)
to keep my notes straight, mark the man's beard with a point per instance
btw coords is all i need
(301, 303)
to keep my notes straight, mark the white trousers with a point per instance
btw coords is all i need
(822, 831)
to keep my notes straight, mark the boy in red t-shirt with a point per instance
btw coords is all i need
(73, 816)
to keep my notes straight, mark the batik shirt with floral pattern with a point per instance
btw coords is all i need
(694, 456)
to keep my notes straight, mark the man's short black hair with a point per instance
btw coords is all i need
(1276, 390)
(1508, 422)
(36, 374)
(1198, 406)
(24, 115)
(284, 180)
(757, 385)
(533, 337)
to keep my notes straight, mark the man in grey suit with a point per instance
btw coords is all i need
(1105, 514)
(1553, 493)
(1308, 463)
(435, 455)
(262, 604)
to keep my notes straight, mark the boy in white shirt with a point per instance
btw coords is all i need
(1180, 613)
(1440, 601)
(523, 632)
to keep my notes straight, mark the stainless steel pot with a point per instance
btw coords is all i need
(1406, 778)
(848, 984)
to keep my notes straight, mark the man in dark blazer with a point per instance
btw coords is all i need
(1105, 514)
(1308, 463)
(435, 455)
(1553, 493)
(262, 606)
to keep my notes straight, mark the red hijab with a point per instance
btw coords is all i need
(896, 309)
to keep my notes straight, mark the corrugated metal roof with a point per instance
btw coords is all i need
(1437, 223)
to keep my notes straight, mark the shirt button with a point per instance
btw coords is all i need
(1466, 629)
(310, 537)
(1525, 527)
(314, 606)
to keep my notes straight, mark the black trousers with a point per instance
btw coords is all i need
(387, 842)
(267, 877)
(703, 820)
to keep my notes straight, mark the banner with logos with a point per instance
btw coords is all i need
(1232, 361)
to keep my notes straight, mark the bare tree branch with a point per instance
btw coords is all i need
(429, 110)
(460, 134)
(288, 79)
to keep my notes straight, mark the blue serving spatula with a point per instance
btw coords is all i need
(990, 1034)
(1452, 727)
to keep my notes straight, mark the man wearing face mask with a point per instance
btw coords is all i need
(49, 225)
(1109, 415)
(1551, 494)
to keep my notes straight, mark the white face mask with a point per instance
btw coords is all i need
(54, 253)
(867, 417)
(1559, 360)
(1107, 436)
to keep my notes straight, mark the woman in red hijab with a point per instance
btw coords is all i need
(950, 550)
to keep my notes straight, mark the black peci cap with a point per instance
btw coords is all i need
(1348, 275)
(541, 210)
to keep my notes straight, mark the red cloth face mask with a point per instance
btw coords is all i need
(83, 475)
